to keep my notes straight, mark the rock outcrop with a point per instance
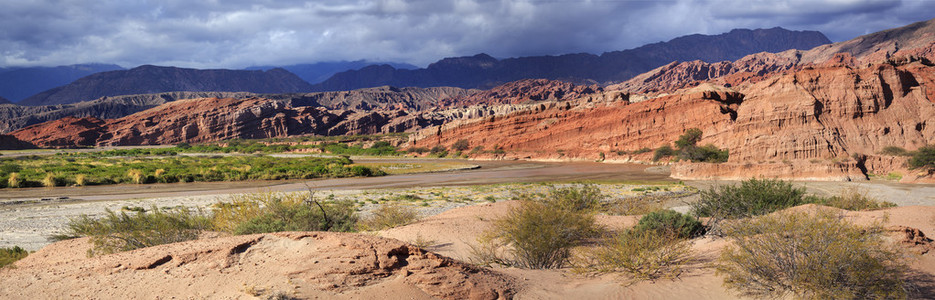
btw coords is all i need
(523, 92)
(213, 119)
(914, 42)
(14, 117)
(304, 265)
(8, 142)
(830, 120)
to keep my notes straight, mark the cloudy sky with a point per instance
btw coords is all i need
(241, 33)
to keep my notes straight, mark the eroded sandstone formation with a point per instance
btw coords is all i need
(212, 119)
(821, 122)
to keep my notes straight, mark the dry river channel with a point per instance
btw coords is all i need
(29, 215)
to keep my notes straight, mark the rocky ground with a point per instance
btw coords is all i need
(354, 266)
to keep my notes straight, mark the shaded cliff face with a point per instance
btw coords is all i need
(153, 79)
(8, 142)
(212, 119)
(524, 91)
(20, 83)
(13, 117)
(831, 116)
(484, 71)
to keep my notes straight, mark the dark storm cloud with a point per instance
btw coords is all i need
(233, 34)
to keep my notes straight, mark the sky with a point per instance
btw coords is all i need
(241, 33)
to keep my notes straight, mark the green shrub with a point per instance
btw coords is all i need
(643, 254)
(461, 145)
(10, 255)
(923, 158)
(122, 232)
(274, 212)
(642, 150)
(541, 231)
(584, 198)
(895, 151)
(663, 152)
(419, 150)
(851, 200)
(817, 256)
(751, 198)
(438, 149)
(638, 205)
(668, 221)
(389, 216)
(707, 153)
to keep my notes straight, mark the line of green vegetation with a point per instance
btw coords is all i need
(10, 255)
(380, 148)
(96, 169)
(135, 228)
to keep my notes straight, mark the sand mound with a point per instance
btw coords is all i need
(299, 264)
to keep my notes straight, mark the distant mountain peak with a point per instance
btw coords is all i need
(147, 79)
(19, 83)
(484, 71)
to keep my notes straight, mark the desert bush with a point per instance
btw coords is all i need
(389, 216)
(438, 149)
(642, 150)
(10, 255)
(136, 176)
(923, 158)
(50, 180)
(850, 200)
(541, 231)
(81, 180)
(584, 198)
(895, 151)
(122, 232)
(643, 254)
(419, 150)
(810, 256)
(707, 153)
(751, 198)
(663, 152)
(274, 212)
(637, 205)
(670, 222)
(14, 181)
(461, 145)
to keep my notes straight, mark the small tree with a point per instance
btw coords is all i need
(690, 138)
(923, 158)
